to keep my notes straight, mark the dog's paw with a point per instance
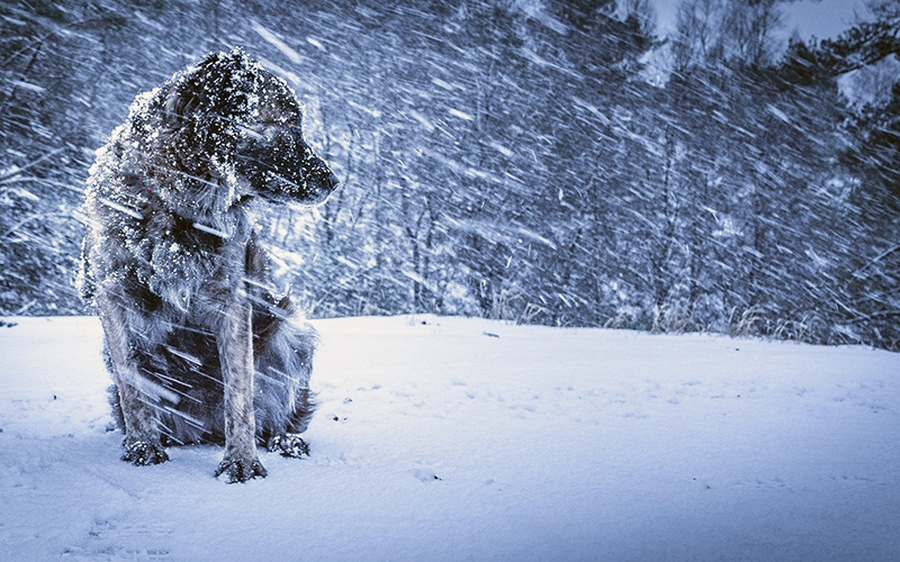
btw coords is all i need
(142, 453)
(240, 470)
(288, 445)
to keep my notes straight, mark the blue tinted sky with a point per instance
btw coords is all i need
(825, 18)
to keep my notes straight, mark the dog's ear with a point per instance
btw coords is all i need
(207, 105)
(219, 85)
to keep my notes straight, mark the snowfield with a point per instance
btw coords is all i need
(461, 439)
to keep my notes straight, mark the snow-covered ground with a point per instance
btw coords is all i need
(458, 439)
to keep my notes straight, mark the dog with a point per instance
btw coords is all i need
(201, 345)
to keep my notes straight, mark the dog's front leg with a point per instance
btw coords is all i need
(235, 343)
(142, 439)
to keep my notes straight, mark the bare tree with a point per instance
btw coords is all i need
(747, 31)
(697, 33)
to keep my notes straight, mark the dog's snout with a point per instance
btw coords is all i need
(319, 171)
(322, 185)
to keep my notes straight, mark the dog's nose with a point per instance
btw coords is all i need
(322, 174)
(323, 186)
(331, 181)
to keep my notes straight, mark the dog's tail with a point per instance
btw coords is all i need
(283, 346)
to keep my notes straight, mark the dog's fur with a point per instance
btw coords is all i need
(199, 345)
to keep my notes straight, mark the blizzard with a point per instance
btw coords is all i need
(465, 439)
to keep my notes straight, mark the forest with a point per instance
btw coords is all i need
(554, 162)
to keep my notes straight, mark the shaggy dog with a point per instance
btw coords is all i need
(201, 347)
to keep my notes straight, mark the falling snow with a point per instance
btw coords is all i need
(508, 159)
(525, 161)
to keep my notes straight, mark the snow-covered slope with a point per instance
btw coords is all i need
(456, 439)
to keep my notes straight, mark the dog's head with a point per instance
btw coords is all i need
(232, 119)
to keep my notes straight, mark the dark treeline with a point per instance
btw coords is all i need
(511, 159)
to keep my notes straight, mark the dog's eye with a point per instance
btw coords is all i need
(271, 130)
